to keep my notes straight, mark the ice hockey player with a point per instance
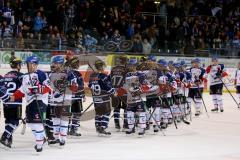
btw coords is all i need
(142, 65)
(196, 89)
(135, 104)
(152, 99)
(167, 85)
(237, 81)
(119, 102)
(182, 79)
(186, 83)
(63, 83)
(216, 72)
(102, 90)
(12, 110)
(35, 88)
(78, 97)
(171, 67)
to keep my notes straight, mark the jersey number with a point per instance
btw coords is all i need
(96, 89)
(117, 80)
(11, 87)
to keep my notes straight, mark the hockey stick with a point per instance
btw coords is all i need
(198, 89)
(24, 126)
(182, 117)
(174, 120)
(151, 116)
(229, 92)
(186, 102)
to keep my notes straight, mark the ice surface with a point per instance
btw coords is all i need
(214, 138)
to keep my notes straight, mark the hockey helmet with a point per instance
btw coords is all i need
(177, 65)
(170, 62)
(132, 62)
(214, 58)
(32, 59)
(163, 62)
(122, 60)
(58, 60)
(196, 60)
(152, 58)
(15, 62)
(99, 64)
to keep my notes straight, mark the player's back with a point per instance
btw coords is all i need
(118, 74)
(13, 81)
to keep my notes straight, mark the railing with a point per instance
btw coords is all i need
(229, 49)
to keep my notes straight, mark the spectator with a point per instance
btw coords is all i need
(8, 14)
(126, 6)
(146, 46)
(137, 44)
(20, 41)
(130, 31)
(89, 43)
(6, 30)
(39, 23)
(19, 29)
(116, 36)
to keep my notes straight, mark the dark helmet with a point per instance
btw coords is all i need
(123, 60)
(15, 62)
(99, 64)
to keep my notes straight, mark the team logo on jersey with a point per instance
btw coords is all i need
(60, 84)
(34, 80)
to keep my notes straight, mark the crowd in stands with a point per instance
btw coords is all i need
(196, 24)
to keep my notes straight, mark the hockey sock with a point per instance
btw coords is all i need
(63, 130)
(215, 100)
(156, 116)
(189, 103)
(76, 121)
(56, 127)
(116, 115)
(220, 101)
(98, 120)
(131, 119)
(105, 120)
(198, 104)
(49, 127)
(125, 122)
(142, 120)
(175, 110)
(38, 131)
(10, 126)
(165, 115)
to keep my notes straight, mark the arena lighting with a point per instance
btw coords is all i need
(157, 2)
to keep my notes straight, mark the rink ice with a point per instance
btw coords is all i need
(214, 138)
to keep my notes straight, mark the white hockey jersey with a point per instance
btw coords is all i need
(212, 71)
(34, 81)
(197, 76)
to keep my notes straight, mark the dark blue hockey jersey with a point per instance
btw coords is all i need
(101, 87)
(13, 81)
